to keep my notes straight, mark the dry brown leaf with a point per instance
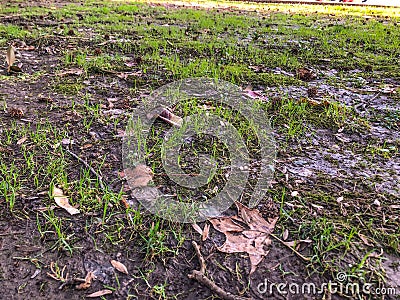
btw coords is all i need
(88, 281)
(197, 228)
(365, 239)
(296, 243)
(22, 140)
(206, 230)
(312, 91)
(125, 202)
(141, 175)
(16, 69)
(305, 74)
(285, 234)
(171, 118)
(10, 57)
(119, 266)
(62, 201)
(248, 232)
(203, 232)
(16, 112)
(226, 225)
(99, 293)
(87, 146)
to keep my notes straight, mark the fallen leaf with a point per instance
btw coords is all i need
(66, 141)
(170, 118)
(297, 243)
(10, 57)
(339, 199)
(16, 69)
(99, 294)
(377, 202)
(22, 140)
(365, 239)
(86, 146)
(141, 175)
(88, 281)
(203, 232)
(62, 201)
(312, 91)
(125, 202)
(206, 230)
(197, 228)
(16, 112)
(97, 51)
(119, 266)
(285, 234)
(305, 74)
(247, 232)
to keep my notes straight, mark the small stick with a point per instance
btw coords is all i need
(294, 250)
(12, 233)
(99, 177)
(202, 278)
(376, 96)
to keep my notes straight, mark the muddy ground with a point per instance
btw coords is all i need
(333, 182)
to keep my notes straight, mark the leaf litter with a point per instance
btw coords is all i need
(10, 57)
(119, 266)
(99, 293)
(140, 176)
(87, 281)
(62, 201)
(247, 232)
(311, 103)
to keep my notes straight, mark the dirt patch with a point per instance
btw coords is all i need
(336, 184)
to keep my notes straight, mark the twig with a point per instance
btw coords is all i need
(99, 177)
(202, 278)
(12, 233)
(374, 97)
(294, 250)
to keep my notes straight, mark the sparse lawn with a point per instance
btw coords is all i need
(329, 79)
